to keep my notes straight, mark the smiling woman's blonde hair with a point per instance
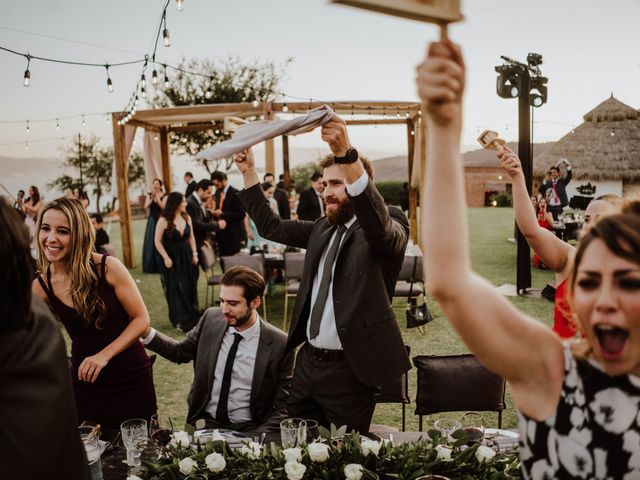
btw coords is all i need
(80, 265)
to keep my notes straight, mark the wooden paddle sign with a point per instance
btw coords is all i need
(430, 11)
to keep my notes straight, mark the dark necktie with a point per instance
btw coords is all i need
(323, 291)
(222, 414)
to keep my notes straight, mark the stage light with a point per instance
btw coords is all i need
(538, 92)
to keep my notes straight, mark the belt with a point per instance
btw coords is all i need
(326, 354)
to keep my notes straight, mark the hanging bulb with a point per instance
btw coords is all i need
(26, 145)
(398, 114)
(109, 85)
(208, 93)
(108, 119)
(135, 102)
(412, 132)
(166, 80)
(27, 126)
(83, 121)
(612, 132)
(255, 104)
(27, 81)
(217, 132)
(143, 81)
(179, 5)
(285, 109)
(406, 115)
(143, 92)
(57, 124)
(165, 37)
(154, 77)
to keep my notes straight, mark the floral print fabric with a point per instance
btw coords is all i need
(594, 433)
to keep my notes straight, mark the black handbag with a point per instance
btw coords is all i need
(417, 315)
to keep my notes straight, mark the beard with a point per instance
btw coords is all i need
(240, 321)
(341, 215)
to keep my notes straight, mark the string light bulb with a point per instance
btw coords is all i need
(27, 74)
(165, 37)
(285, 109)
(109, 82)
(179, 5)
(28, 126)
(143, 92)
(26, 145)
(143, 81)
(154, 77)
(84, 123)
(255, 104)
(135, 101)
(166, 78)
(208, 93)
(57, 124)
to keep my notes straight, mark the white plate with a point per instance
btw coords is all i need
(229, 436)
(497, 432)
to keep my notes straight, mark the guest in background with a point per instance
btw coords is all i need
(556, 192)
(281, 196)
(18, 204)
(102, 237)
(545, 220)
(84, 200)
(254, 241)
(311, 203)
(534, 202)
(178, 262)
(154, 203)
(280, 183)
(99, 304)
(31, 208)
(191, 184)
(229, 209)
(36, 400)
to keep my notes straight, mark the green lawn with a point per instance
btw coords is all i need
(492, 256)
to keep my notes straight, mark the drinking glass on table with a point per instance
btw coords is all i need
(473, 426)
(157, 433)
(90, 441)
(446, 426)
(293, 432)
(312, 431)
(134, 438)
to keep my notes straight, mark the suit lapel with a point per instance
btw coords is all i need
(347, 236)
(262, 360)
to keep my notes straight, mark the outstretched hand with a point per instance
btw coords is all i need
(510, 161)
(244, 160)
(440, 81)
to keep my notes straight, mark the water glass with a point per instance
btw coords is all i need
(446, 426)
(312, 431)
(90, 440)
(134, 438)
(473, 426)
(293, 432)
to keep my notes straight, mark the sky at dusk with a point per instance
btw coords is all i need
(590, 50)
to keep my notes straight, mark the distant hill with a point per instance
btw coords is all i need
(396, 168)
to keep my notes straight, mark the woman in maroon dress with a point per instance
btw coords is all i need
(102, 310)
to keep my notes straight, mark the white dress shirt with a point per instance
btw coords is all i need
(241, 375)
(328, 336)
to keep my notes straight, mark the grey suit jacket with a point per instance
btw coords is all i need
(366, 271)
(271, 376)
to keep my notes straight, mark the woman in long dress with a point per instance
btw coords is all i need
(178, 260)
(30, 207)
(153, 203)
(102, 310)
(577, 402)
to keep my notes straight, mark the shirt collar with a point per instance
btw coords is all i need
(195, 195)
(250, 332)
(350, 222)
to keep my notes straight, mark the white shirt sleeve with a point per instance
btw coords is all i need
(357, 187)
(148, 338)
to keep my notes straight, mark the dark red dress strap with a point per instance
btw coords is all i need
(44, 286)
(103, 267)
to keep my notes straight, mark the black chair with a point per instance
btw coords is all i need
(293, 266)
(255, 262)
(397, 392)
(454, 383)
(411, 268)
(208, 262)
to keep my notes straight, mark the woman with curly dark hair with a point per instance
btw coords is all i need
(178, 260)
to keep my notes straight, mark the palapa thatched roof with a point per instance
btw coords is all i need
(605, 147)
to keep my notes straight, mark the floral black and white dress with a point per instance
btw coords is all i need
(594, 433)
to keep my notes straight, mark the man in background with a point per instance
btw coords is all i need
(281, 196)
(311, 204)
(191, 184)
(102, 237)
(229, 209)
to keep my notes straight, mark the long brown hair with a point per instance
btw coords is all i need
(174, 200)
(80, 265)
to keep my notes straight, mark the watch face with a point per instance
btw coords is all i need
(352, 155)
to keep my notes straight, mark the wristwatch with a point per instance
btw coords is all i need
(350, 157)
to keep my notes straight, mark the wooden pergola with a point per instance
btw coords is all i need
(209, 117)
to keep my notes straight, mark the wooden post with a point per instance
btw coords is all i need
(269, 146)
(166, 163)
(411, 148)
(285, 163)
(124, 207)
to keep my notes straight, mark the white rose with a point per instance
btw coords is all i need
(444, 452)
(353, 471)
(294, 470)
(484, 453)
(187, 465)
(318, 452)
(370, 446)
(215, 462)
(180, 439)
(252, 450)
(292, 454)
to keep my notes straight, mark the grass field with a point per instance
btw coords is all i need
(492, 256)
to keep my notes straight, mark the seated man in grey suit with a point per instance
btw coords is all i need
(242, 373)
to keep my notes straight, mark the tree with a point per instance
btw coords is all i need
(230, 82)
(301, 175)
(92, 166)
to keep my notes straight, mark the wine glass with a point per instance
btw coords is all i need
(446, 426)
(134, 438)
(156, 432)
(473, 426)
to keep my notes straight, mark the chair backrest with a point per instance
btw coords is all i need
(293, 264)
(255, 262)
(207, 256)
(396, 392)
(452, 383)
(407, 269)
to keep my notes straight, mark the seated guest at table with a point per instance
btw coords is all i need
(102, 237)
(343, 308)
(178, 260)
(281, 196)
(553, 252)
(39, 418)
(203, 223)
(577, 403)
(102, 310)
(311, 204)
(242, 373)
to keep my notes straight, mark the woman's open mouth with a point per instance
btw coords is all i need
(612, 340)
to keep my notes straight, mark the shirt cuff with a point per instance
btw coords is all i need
(356, 188)
(148, 338)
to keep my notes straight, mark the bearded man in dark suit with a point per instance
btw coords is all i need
(343, 308)
(229, 209)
